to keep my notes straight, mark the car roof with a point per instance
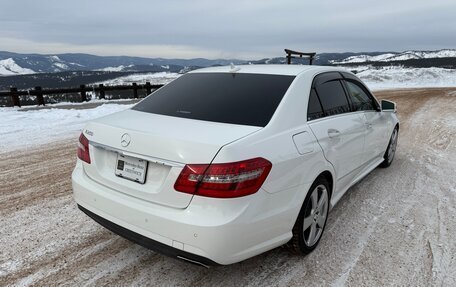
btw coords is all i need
(289, 70)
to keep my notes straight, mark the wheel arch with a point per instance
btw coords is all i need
(293, 244)
(329, 177)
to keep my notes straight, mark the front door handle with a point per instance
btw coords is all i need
(332, 133)
(368, 125)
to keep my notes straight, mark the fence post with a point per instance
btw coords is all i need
(39, 96)
(102, 92)
(135, 90)
(83, 93)
(148, 88)
(15, 97)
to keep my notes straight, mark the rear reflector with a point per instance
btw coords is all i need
(224, 180)
(83, 149)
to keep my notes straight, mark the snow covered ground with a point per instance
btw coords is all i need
(114, 69)
(407, 55)
(387, 78)
(394, 228)
(9, 67)
(27, 129)
(153, 78)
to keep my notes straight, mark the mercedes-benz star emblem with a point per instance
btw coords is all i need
(125, 140)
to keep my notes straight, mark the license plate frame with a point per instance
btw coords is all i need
(131, 168)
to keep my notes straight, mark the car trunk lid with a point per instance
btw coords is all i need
(166, 143)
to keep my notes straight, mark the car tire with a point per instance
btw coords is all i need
(311, 221)
(391, 149)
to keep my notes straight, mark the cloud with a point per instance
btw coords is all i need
(166, 51)
(213, 29)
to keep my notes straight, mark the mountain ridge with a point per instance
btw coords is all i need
(49, 63)
(398, 56)
(16, 63)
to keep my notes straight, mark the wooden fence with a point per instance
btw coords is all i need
(39, 92)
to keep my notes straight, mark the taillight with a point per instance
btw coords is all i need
(224, 180)
(83, 149)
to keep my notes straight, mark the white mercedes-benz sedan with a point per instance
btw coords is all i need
(225, 163)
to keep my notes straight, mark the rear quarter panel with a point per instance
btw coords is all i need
(292, 173)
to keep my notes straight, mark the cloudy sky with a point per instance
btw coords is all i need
(224, 29)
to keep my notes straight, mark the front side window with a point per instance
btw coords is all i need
(332, 97)
(234, 98)
(360, 99)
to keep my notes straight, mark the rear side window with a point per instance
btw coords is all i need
(332, 97)
(244, 99)
(360, 99)
(314, 110)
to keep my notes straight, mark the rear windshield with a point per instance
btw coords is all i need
(244, 99)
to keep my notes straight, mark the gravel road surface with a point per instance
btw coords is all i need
(395, 227)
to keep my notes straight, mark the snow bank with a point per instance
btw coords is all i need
(26, 129)
(93, 100)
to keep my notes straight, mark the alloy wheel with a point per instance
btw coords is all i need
(392, 147)
(315, 215)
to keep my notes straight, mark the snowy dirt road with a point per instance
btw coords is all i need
(395, 227)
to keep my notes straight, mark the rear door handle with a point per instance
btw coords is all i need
(332, 133)
(368, 125)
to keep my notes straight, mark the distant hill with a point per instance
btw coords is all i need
(323, 59)
(25, 71)
(395, 57)
(58, 79)
(14, 63)
(20, 64)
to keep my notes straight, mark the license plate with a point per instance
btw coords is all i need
(131, 168)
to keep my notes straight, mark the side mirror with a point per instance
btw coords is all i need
(388, 106)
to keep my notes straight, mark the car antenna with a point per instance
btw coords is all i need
(234, 69)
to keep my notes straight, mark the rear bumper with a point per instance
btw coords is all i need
(147, 242)
(210, 231)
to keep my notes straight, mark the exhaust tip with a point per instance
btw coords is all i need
(193, 261)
